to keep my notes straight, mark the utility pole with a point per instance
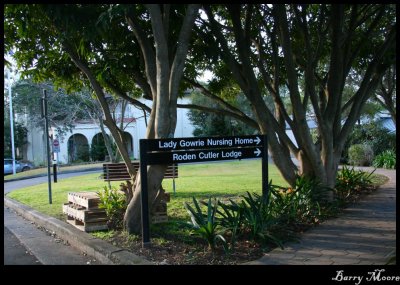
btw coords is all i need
(46, 131)
(11, 123)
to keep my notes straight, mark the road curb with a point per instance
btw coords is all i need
(103, 251)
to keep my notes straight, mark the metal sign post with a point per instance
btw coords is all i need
(264, 171)
(56, 150)
(46, 129)
(185, 150)
(144, 194)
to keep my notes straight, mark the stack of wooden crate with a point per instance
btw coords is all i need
(83, 212)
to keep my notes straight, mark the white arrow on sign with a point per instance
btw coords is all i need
(257, 140)
(257, 152)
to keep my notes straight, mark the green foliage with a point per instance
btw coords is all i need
(82, 153)
(255, 214)
(20, 132)
(230, 217)
(361, 154)
(114, 204)
(260, 223)
(211, 124)
(205, 225)
(98, 152)
(98, 149)
(386, 159)
(349, 182)
(106, 235)
(63, 108)
(383, 141)
(302, 205)
(374, 134)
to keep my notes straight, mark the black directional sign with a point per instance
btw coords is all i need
(203, 155)
(185, 150)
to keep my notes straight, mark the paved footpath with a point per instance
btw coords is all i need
(31, 245)
(364, 234)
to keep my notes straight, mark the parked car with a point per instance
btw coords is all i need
(19, 166)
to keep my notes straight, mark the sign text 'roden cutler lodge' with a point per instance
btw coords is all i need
(183, 150)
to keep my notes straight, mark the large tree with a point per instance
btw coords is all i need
(61, 43)
(310, 50)
(114, 48)
(164, 56)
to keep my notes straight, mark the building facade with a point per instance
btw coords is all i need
(86, 133)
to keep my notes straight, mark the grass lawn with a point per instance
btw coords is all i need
(226, 179)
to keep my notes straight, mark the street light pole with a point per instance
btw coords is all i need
(11, 123)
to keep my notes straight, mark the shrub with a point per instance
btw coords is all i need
(361, 154)
(350, 182)
(374, 134)
(386, 159)
(98, 152)
(114, 204)
(302, 205)
(82, 153)
(382, 141)
(255, 214)
(205, 225)
(231, 218)
(260, 223)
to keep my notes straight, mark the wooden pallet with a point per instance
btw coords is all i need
(83, 212)
(88, 200)
(86, 226)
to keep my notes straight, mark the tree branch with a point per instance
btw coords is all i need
(371, 79)
(350, 57)
(131, 100)
(280, 17)
(181, 52)
(243, 118)
(229, 58)
(147, 51)
(214, 97)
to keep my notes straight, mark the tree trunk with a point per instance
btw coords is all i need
(107, 141)
(133, 214)
(164, 90)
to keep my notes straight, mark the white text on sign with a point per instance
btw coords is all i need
(209, 142)
(207, 155)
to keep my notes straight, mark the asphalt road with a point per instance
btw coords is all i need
(27, 244)
(13, 185)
